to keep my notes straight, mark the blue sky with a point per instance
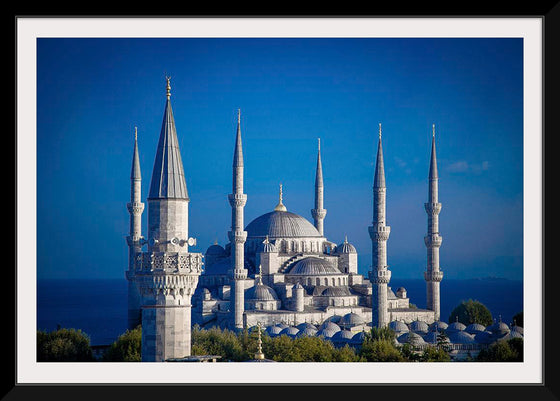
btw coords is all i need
(91, 93)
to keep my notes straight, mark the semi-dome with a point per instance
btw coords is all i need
(313, 266)
(279, 224)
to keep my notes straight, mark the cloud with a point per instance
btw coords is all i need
(463, 167)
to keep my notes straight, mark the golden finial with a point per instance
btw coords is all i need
(259, 354)
(280, 206)
(168, 86)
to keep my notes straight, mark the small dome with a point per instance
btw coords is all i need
(342, 336)
(282, 325)
(517, 329)
(307, 332)
(510, 335)
(359, 337)
(327, 332)
(261, 292)
(290, 331)
(455, 326)
(439, 325)
(313, 266)
(345, 247)
(273, 331)
(306, 325)
(350, 320)
(474, 328)
(330, 326)
(483, 337)
(461, 337)
(432, 337)
(411, 338)
(398, 327)
(333, 318)
(499, 328)
(419, 326)
(215, 250)
(267, 246)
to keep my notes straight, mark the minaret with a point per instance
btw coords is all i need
(167, 274)
(379, 233)
(433, 275)
(237, 235)
(134, 239)
(319, 213)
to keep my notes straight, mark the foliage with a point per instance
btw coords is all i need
(215, 341)
(434, 354)
(382, 333)
(127, 348)
(469, 312)
(380, 350)
(503, 351)
(63, 345)
(306, 349)
(518, 319)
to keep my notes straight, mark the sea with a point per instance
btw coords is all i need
(98, 307)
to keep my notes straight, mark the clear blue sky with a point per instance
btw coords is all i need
(91, 93)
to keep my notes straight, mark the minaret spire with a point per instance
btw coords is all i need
(433, 275)
(319, 212)
(134, 240)
(380, 275)
(237, 235)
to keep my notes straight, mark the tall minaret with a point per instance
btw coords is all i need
(134, 239)
(237, 235)
(379, 233)
(319, 213)
(433, 275)
(167, 274)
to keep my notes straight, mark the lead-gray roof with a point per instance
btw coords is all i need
(313, 266)
(278, 224)
(168, 177)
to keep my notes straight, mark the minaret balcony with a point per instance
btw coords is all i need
(135, 208)
(379, 233)
(238, 237)
(168, 263)
(318, 214)
(432, 208)
(237, 200)
(380, 276)
(432, 276)
(433, 240)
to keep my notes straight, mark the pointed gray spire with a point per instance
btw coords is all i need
(319, 171)
(135, 171)
(168, 177)
(433, 162)
(238, 152)
(379, 177)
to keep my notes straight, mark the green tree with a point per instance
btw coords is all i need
(63, 345)
(468, 312)
(503, 351)
(127, 348)
(380, 350)
(434, 354)
(216, 341)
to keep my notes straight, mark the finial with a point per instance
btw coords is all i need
(433, 130)
(379, 130)
(259, 354)
(260, 268)
(266, 241)
(135, 133)
(280, 206)
(319, 146)
(238, 116)
(345, 239)
(216, 241)
(168, 86)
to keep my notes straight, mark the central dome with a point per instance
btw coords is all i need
(280, 224)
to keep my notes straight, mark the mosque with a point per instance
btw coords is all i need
(278, 272)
